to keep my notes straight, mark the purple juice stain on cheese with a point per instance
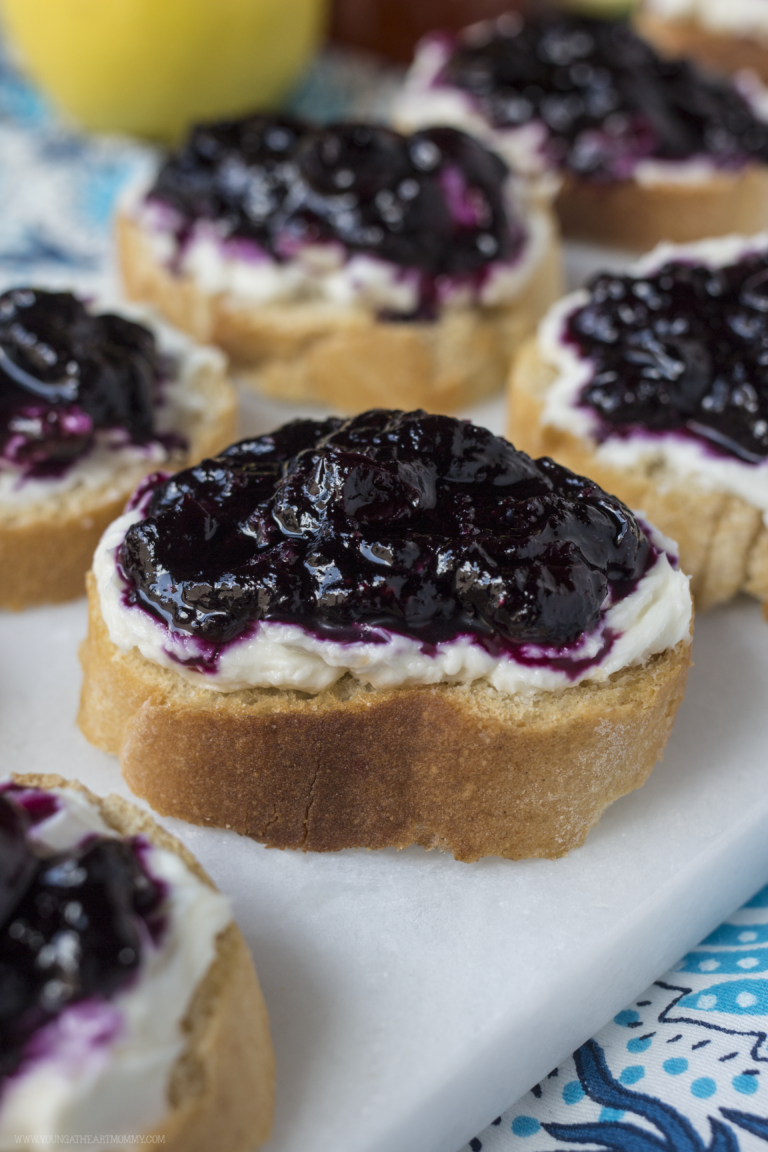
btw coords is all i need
(37, 804)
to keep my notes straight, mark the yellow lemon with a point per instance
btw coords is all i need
(154, 66)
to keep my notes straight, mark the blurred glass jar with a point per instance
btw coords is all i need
(392, 27)
(152, 67)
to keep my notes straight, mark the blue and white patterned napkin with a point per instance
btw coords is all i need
(57, 189)
(683, 1068)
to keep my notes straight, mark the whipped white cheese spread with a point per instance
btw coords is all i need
(113, 459)
(651, 619)
(326, 274)
(681, 456)
(737, 17)
(106, 1065)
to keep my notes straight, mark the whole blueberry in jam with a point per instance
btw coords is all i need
(684, 349)
(64, 374)
(606, 99)
(433, 202)
(422, 525)
(70, 924)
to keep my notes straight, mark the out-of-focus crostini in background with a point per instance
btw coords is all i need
(413, 288)
(638, 148)
(725, 35)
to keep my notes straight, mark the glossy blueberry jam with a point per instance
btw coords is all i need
(605, 97)
(64, 374)
(685, 349)
(433, 202)
(70, 924)
(421, 525)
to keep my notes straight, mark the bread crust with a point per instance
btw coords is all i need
(46, 548)
(638, 216)
(222, 1087)
(461, 768)
(346, 357)
(722, 540)
(720, 51)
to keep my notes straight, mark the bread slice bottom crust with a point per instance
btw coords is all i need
(342, 356)
(638, 216)
(221, 1089)
(722, 540)
(461, 768)
(719, 51)
(46, 548)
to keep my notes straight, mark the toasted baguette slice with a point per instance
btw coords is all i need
(222, 1087)
(461, 768)
(46, 547)
(714, 49)
(636, 216)
(722, 540)
(346, 357)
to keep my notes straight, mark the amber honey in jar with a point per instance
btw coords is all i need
(392, 27)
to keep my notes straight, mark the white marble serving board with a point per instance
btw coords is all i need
(413, 998)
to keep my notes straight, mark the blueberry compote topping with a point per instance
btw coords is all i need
(65, 373)
(421, 525)
(606, 98)
(433, 202)
(683, 349)
(70, 923)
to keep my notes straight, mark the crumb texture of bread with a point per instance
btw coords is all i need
(638, 216)
(720, 51)
(221, 1088)
(346, 357)
(46, 547)
(722, 540)
(460, 768)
